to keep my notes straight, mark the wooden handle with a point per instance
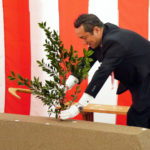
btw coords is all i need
(112, 109)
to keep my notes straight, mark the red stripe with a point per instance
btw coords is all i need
(68, 12)
(17, 51)
(133, 14)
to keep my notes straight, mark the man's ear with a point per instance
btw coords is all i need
(96, 29)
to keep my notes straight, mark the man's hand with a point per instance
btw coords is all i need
(71, 81)
(69, 113)
(74, 110)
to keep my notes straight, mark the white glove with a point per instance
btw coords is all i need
(74, 110)
(85, 99)
(69, 113)
(71, 81)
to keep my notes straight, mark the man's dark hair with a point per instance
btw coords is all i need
(89, 21)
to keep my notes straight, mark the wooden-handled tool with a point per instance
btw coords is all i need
(111, 109)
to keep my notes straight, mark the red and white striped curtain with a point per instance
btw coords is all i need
(21, 43)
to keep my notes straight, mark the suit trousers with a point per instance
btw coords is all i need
(138, 119)
(139, 112)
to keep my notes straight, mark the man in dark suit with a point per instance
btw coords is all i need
(122, 52)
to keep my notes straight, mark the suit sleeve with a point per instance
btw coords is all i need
(112, 58)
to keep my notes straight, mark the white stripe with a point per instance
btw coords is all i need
(107, 11)
(2, 61)
(40, 11)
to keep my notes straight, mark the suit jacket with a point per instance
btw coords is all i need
(128, 55)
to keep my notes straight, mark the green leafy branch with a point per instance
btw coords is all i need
(59, 64)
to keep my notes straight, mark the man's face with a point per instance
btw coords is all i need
(92, 40)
